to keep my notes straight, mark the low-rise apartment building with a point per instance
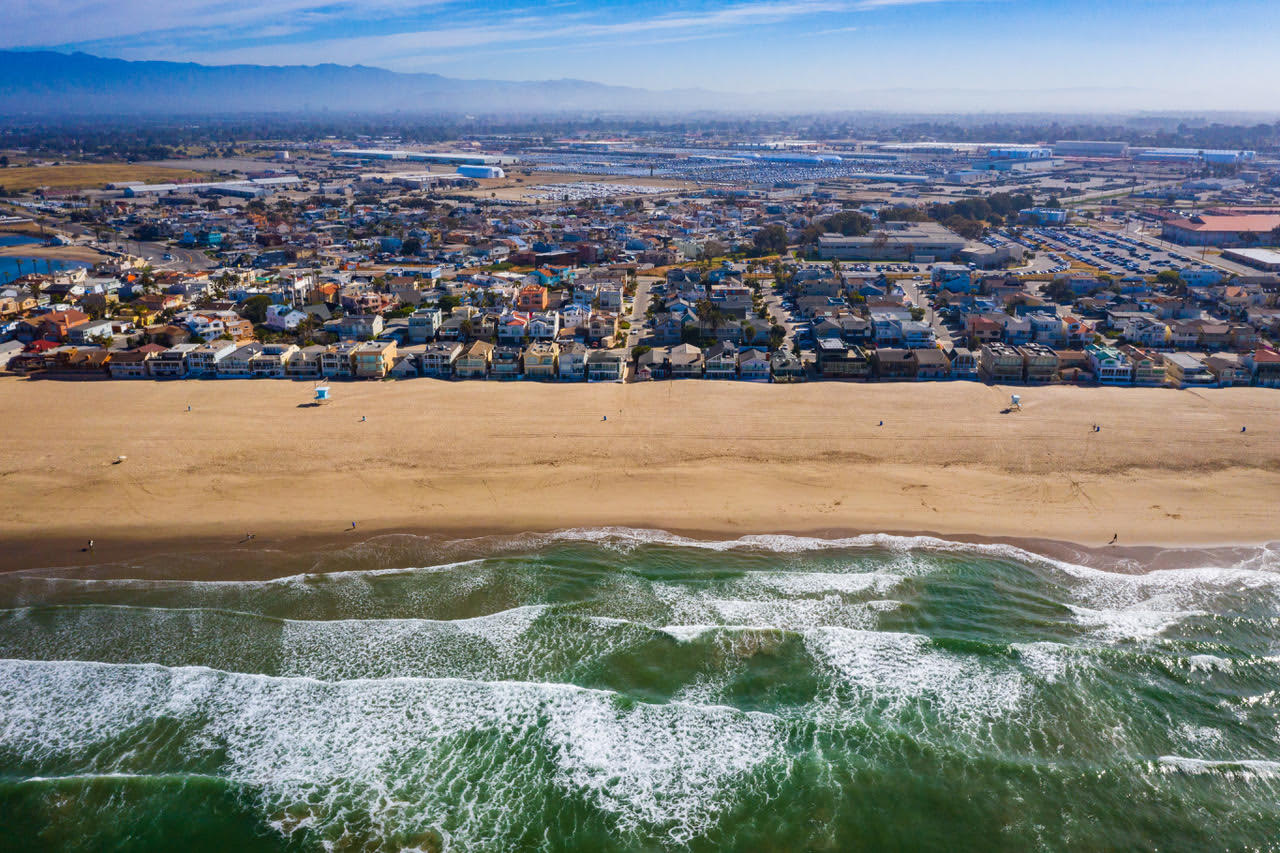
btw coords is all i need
(1039, 363)
(373, 359)
(1000, 362)
(1185, 370)
(838, 360)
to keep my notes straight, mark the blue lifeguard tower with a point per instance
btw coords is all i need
(322, 394)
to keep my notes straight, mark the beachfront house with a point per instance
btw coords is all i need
(473, 361)
(335, 361)
(132, 364)
(1039, 363)
(1148, 367)
(204, 359)
(606, 365)
(572, 366)
(373, 359)
(1000, 362)
(305, 363)
(1109, 365)
(237, 364)
(931, 363)
(540, 360)
(753, 365)
(964, 364)
(785, 366)
(1229, 369)
(838, 360)
(721, 362)
(1185, 370)
(173, 362)
(438, 359)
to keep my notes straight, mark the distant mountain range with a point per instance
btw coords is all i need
(51, 83)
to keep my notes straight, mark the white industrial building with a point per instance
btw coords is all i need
(469, 171)
(922, 242)
(250, 188)
(450, 157)
(1089, 148)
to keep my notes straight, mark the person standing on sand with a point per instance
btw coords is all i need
(1114, 537)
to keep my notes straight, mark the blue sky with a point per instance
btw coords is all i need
(971, 53)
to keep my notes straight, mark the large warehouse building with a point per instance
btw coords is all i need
(1225, 227)
(922, 242)
(450, 157)
(1089, 148)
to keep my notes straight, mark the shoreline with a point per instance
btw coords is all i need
(80, 254)
(1170, 471)
(302, 548)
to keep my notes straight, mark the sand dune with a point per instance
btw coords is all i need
(1169, 467)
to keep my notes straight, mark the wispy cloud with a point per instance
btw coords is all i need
(31, 24)
(830, 31)
(398, 49)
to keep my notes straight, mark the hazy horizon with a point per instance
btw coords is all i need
(910, 55)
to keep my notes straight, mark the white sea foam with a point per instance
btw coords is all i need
(895, 672)
(391, 753)
(704, 608)
(35, 577)
(1130, 624)
(1047, 661)
(810, 583)
(493, 646)
(1200, 736)
(1242, 769)
(1172, 589)
(1209, 663)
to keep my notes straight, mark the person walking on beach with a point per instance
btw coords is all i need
(1114, 537)
(353, 525)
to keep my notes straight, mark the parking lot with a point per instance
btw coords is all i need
(1116, 254)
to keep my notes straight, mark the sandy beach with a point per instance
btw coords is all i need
(1168, 467)
(64, 253)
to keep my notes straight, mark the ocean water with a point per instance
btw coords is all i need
(632, 690)
(12, 267)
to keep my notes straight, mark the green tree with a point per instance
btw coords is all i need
(254, 309)
(711, 249)
(771, 238)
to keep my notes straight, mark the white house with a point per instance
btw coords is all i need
(284, 318)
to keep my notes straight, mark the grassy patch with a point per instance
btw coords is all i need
(89, 175)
